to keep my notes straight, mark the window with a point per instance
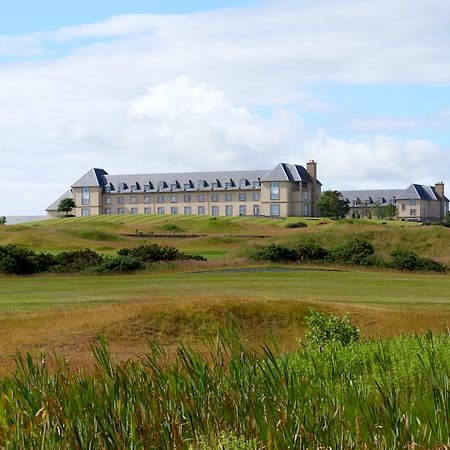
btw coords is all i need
(134, 188)
(121, 187)
(120, 200)
(147, 198)
(214, 210)
(242, 197)
(200, 198)
(305, 196)
(134, 210)
(412, 212)
(214, 186)
(173, 199)
(146, 188)
(85, 196)
(256, 210)
(412, 202)
(256, 184)
(108, 189)
(120, 210)
(274, 191)
(255, 196)
(403, 207)
(228, 185)
(133, 200)
(107, 200)
(160, 185)
(147, 210)
(228, 210)
(201, 210)
(228, 197)
(160, 210)
(306, 210)
(242, 183)
(173, 186)
(187, 199)
(274, 210)
(187, 210)
(173, 210)
(201, 184)
(85, 212)
(214, 197)
(242, 210)
(187, 186)
(107, 210)
(160, 199)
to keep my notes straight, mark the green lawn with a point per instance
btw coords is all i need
(388, 290)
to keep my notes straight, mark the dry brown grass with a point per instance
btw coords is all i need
(129, 327)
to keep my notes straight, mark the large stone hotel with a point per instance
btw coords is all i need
(286, 190)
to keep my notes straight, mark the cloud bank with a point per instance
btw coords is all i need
(228, 89)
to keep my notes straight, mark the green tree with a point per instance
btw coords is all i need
(332, 204)
(66, 205)
(2, 220)
(390, 211)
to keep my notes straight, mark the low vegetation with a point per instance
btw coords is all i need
(21, 261)
(390, 393)
(354, 252)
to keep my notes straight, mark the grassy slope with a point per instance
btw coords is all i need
(67, 312)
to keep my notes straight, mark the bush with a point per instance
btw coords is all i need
(17, 260)
(327, 328)
(296, 225)
(76, 261)
(355, 252)
(151, 253)
(407, 260)
(276, 253)
(120, 264)
(311, 251)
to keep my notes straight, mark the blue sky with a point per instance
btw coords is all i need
(363, 87)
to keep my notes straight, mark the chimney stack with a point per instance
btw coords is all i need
(439, 187)
(311, 168)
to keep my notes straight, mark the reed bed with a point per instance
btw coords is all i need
(384, 394)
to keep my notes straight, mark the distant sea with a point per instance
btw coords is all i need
(14, 220)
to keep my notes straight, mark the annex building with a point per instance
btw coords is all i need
(417, 202)
(285, 190)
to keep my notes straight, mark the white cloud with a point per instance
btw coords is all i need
(225, 88)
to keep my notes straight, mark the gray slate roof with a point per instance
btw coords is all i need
(55, 204)
(371, 196)
(283, 171)
(95, 177)
(420, 192)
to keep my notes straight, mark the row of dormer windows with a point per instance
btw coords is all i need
(201, 185)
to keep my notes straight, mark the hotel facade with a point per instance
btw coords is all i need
(286, 190)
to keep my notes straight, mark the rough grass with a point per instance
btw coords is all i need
(66, 313)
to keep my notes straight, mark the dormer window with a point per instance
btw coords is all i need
(174, 186)
(161, 185)
(135, 187)
(202, 184)
(108, 189)
(243, 183)
(147, 187)
(187, 186)
(121, 187)
(256, 184)
(228, 185)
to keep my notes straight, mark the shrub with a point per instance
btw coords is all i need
(76, 261)
(407, 260)
(124, 263)
(151, 253)
(357, 252)
(296, 225)
(327, 328)
(171, 227)
(311, 251)
(17, 260)
(276, 253)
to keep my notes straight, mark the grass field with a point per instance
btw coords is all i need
(67, 312)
